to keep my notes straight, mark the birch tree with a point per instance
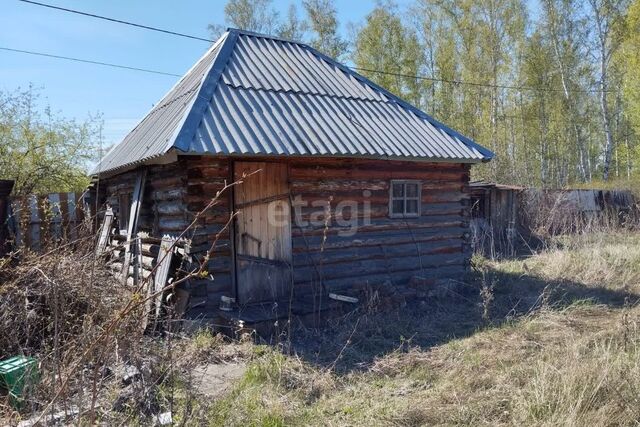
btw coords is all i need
(251, 15)
(564, 30)
(389, 52)
(323, 22)
(631, 62)
(293, 28)
(606, 16)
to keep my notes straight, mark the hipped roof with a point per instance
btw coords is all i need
(257, 95)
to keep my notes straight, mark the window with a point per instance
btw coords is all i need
(404, 199)
(124, 201)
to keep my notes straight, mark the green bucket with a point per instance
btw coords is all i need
(17, 375)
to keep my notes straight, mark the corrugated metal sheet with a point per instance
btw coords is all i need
(268, 64)
(153, 135)
(245, 121)
(257, 95)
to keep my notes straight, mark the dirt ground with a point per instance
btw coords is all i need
(215, 379)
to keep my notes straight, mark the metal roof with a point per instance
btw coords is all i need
(252, 94)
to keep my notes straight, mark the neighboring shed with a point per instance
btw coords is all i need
(345, 187)
(508, 218)
(495, 224)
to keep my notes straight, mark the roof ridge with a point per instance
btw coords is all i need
(364, 80)
(181, 139)
(402, 103)
(157, 108)
(249, 33)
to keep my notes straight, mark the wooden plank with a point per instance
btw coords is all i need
(32, 225)
(105, 232)
(137, 266)
(319, 230)
(382, 251)
(263, 200)
(76, 213)
(136, 202)
(165, 256)
(254, 288)
(376, 238)
(343, 298)
(263, 231)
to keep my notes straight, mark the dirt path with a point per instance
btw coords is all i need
(215, 379)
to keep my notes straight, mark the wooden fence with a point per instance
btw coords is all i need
(34, 221)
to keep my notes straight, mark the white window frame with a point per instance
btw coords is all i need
(404, 198)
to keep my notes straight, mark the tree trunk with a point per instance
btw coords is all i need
(571, 106)
(606, 121)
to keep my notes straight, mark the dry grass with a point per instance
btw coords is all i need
(548, 340)
(569, 356)
(84, 328)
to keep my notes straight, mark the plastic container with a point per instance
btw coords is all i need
(17, 374)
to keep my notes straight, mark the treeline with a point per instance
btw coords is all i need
(555, 93)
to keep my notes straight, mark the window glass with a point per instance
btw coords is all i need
(412, 189)
(412, 207)
(398, 190)
(404, 199)
(398, 207)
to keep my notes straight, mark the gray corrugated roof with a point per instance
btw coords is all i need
(252, 94)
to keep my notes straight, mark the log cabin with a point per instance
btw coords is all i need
(340, 188)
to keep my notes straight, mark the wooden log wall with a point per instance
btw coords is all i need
(173, 196)
(150, 248)
(384, 250)
(206, 177)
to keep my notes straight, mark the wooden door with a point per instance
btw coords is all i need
(263, 232)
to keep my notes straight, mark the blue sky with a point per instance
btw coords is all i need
(123, 97)
(76, 90)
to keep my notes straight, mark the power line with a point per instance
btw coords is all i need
(88, 61)
(119, 21)
(502, 117)
(461, 82)
(419, 77)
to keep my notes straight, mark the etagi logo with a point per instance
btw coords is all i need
(348, 215)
